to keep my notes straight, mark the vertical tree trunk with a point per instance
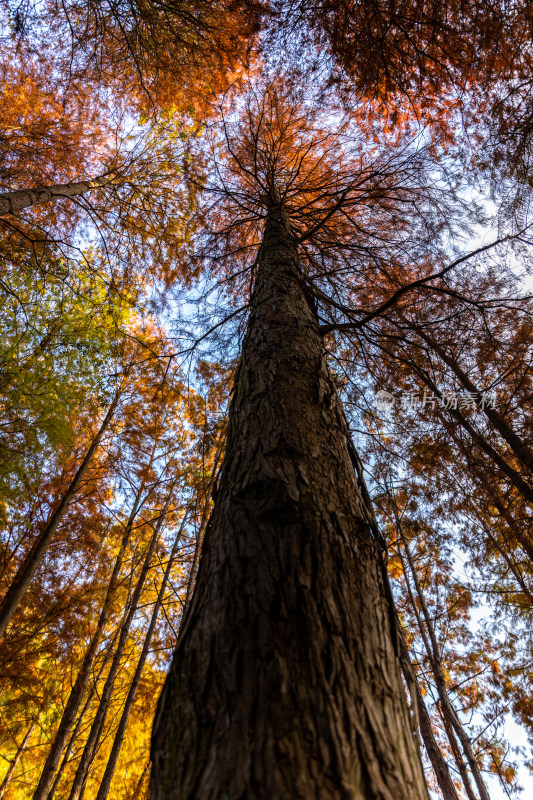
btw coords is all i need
(434, 656)
(97, 726)
(105, 785)
(515, 442)
(29, 566)
(285, 682)
(438, 762)
(83, 676)
(11, 202)
(200, 535)
(16, 758)
(514, 476)
(81, 716)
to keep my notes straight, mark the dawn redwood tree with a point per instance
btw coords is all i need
(286, 679)
(11, 202)
(83, 677)
(157, 54)
(29, 566)
(91, 745)
(288, 641)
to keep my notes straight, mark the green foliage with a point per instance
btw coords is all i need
(60, 332)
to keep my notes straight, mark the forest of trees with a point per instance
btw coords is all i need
(266, 390)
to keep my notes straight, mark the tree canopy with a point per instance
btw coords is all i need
(194, 197)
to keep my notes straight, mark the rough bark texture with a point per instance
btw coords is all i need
(11, 202)
(285, 682)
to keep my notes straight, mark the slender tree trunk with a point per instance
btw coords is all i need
(29, 566)
(457, 755)
(522, 538)
(285, 682)
(91, 745)
(514, 476)
(105, 785)
(517, 445)
(81, 716)
(137, 791)
(438, 762)
(435, 659)
(21, 749)
(200, 535)
(11, 202)
(83, 676)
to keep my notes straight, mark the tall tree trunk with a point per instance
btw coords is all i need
(514, 476)
(137, 791)
(438, 762)
(29, 566)
(458, 757)
(81, 716)
(21, 749)
(200, 535)
(97, 726)
(435, 659)
(285, 682)
(515, 442)
(12, 202)
(84, 674)
(105, 785)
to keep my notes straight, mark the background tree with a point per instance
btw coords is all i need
(155, 268)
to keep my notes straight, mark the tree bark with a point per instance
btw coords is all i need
(200, 535)
(105, 784)
(435, 659)
(515, 442)
(285, 681)
(83, 676)
(16, 758)
(91, 745)
(438, 762)
(12, 202)
(29, 566)
(81, 716)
